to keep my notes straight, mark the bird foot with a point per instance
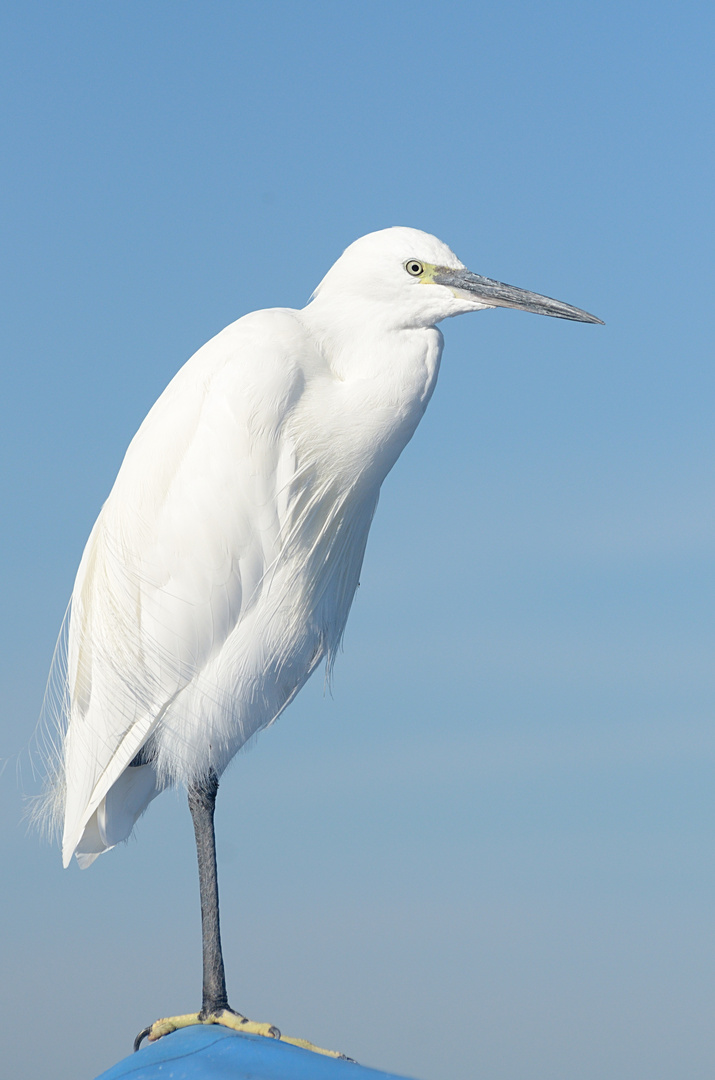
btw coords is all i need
(226, 1017)
(230, 1019)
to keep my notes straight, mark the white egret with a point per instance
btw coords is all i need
(221, 569)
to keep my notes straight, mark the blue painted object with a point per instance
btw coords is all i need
(215, 1053)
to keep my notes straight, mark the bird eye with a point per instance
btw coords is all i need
(415, 268)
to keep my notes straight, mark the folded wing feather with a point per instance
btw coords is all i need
(177, 557)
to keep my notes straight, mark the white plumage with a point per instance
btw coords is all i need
(222, 566)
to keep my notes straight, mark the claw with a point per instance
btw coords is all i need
(140, 1037)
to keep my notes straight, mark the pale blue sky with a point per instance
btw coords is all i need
(490, 852)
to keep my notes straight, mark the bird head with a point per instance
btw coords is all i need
(408, 278)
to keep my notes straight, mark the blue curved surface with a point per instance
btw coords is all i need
(215, 1053)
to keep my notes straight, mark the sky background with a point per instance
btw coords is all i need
(490, 852)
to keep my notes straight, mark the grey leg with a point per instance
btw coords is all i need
(215, 1008)
(202, 803)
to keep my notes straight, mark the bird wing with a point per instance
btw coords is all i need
(181, 547)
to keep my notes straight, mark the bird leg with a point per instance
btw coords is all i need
(202, 804)
(215, 1008)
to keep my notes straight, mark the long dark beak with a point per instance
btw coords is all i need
(497, 294)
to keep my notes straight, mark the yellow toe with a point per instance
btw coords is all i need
(239, 1023)
(305, 1045)
(171, 1023)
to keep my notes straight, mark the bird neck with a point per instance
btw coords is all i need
(363, 343)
